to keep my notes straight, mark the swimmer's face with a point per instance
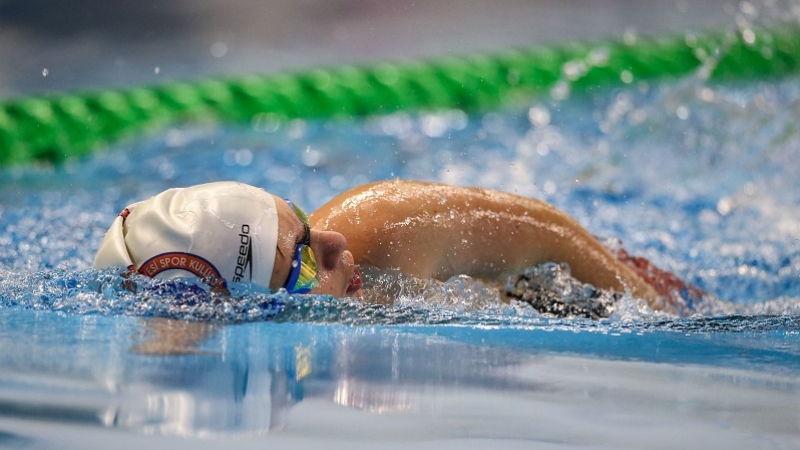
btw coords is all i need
(336, 271)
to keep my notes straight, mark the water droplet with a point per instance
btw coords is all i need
(542, 148)
(748, 9)
(166, 170)
(724, 206)
(706, 94)
(218, 49)
(629, 37)
(574, 69)
(266, 122)
(560, 91)
(433, 125)
(539, 116)
(244, 157)
(749, 36)
(311, 158)
(598, 56)
(639, 116)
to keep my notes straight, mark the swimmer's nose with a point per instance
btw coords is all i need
(328, 247)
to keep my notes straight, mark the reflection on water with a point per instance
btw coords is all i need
(262, 378)
(200, 379)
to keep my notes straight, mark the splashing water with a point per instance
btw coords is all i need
(699, 178)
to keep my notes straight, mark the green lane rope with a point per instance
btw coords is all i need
(55, 127)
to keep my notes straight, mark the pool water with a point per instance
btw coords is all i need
(699, 178)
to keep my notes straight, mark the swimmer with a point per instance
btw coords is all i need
(236, 232)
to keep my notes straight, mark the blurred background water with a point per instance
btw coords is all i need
(48, 45)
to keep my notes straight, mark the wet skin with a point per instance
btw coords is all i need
(436, 231)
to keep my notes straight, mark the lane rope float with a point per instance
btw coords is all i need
(52, 128)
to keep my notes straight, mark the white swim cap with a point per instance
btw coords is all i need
(225, 229)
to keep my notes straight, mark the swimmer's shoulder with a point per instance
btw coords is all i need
(411, 198)
(397, 190)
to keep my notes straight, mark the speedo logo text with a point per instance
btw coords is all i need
(244, 262)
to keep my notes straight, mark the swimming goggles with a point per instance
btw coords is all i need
(303, 277)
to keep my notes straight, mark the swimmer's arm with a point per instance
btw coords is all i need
(432, 230)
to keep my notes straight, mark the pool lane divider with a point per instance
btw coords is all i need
(52, 128)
